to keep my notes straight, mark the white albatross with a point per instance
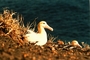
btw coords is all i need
(41, 36)
(75, 43)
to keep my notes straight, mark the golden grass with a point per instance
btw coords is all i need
(15, 29)
(12, 27)
(31, 25)
(51, 38)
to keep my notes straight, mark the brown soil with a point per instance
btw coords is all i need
(10, 50)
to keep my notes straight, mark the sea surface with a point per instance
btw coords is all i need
(69, 18)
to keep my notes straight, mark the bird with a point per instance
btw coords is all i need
(75, 43)
(39, 37)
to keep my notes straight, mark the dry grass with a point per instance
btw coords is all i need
(12, 27)
(13, 30)
(51, 38)
(31, 25)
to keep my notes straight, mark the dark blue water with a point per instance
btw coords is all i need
(69, 18)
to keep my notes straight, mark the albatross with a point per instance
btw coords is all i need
(39, 37)
(75, 43)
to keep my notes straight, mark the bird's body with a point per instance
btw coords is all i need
(75, 43)
(41, 36)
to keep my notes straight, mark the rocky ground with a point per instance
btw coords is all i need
(10, 50)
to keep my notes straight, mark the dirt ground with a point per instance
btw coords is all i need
(10, 50)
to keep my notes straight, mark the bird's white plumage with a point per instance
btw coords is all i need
(41, 36)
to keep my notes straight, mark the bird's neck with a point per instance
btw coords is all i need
(41, 30)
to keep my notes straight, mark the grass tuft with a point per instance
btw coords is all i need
(12, 26)
(51, 38)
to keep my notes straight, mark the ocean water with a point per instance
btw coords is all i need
(69, 18)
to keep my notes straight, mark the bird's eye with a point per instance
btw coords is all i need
(43, 23)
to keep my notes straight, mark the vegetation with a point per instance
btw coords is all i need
(14, 46)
